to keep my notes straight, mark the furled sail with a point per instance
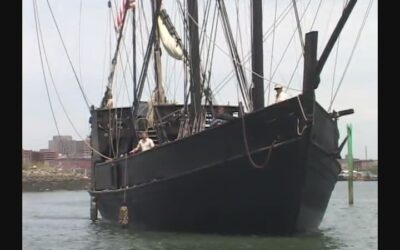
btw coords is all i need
(169, 36)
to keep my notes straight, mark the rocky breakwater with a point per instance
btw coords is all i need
(45, 178)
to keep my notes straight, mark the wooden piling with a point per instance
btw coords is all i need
(350, 163)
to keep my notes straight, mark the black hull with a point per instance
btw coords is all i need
(206, 183)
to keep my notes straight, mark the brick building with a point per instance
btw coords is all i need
(65, 145)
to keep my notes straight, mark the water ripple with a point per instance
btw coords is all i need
(60, 220)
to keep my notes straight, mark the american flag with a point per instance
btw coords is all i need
(123, 8)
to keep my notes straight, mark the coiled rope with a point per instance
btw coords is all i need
(246, 144)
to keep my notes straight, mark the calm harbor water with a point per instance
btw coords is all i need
(60, 220)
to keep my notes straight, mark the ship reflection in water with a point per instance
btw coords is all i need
(60, 220)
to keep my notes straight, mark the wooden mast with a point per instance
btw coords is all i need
(310, 62)
(329, 46)
(312, 66)
(160, 96)
(135, 97)
(257, 55)
(195, 84)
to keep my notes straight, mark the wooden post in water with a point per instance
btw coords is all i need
(350, 162)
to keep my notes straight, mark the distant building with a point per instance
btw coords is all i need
(87, 152)
(36, 157)
(65, 145)
(31, 157)
(47, 155)
(27, 157)
(366, 164)
(71, 153)
(358, 165)
(61, 144)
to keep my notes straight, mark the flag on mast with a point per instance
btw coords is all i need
(123, 8)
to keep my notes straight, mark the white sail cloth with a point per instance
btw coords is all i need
(170, 43)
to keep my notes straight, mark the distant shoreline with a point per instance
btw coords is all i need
(39, 179)
(52, 185)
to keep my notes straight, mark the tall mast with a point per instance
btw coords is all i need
(257, 55)
(146, 59)
(195, 87)
(108, 94)
(312, 66)
(134, 56)
(160, 96)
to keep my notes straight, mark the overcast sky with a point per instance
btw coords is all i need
(85, 30)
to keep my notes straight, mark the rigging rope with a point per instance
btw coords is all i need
(127, 56)
(123, 67)
(175, 79)
(329, 20)
(234, 55)
(272, 52)
(336, 57)
(62, 105)
(69, 59)
(298, 25)
(79, 41)
(210, 55)
(127, 65)
(224, 52)
(238, 30)
(126, 178)
(105, 48)
(284, 53)
(238, 37)
(204, 25)
(228, 77)
(301, 55)
(334, 68)
(316, 14)
(352, 52)
(246, 144)
(37, 26)
(142, 16)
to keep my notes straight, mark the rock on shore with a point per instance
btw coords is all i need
(46, 178)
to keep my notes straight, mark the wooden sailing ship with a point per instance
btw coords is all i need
(271, 170)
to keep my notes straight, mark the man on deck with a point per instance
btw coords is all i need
(145, 143)
(280, 95)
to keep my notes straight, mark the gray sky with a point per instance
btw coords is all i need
(91, 50)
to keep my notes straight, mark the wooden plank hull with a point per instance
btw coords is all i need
(207, 183)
